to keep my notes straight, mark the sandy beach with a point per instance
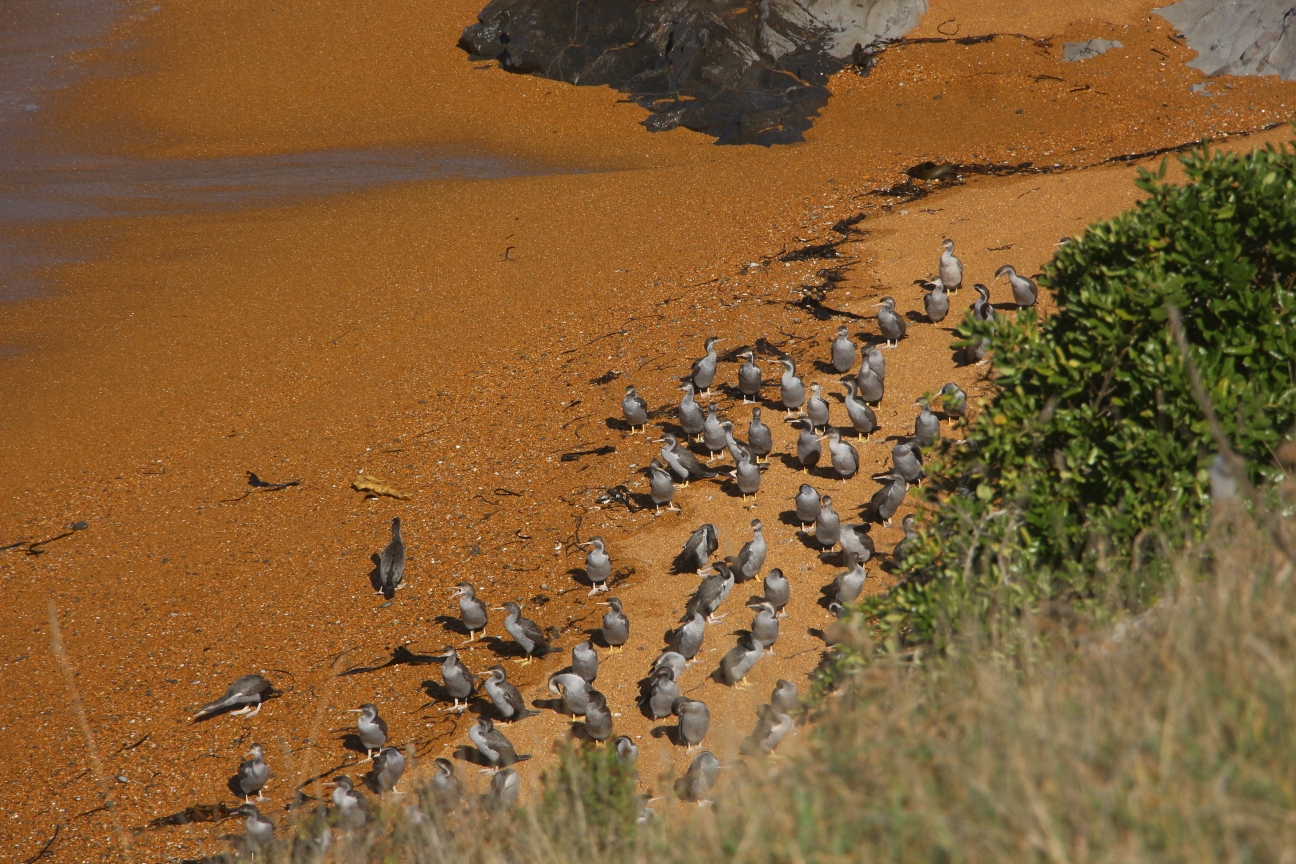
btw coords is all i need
(467, 340)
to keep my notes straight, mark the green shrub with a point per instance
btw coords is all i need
(1092, 456)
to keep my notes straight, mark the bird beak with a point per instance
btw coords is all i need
(354, 711)
(485, 674)
(498, 609)
(601, 603)
(458, 592)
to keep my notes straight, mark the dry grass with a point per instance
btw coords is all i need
(1169, 737)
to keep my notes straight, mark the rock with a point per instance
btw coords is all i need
(1238, 37)
(1075, 51)
(743, 72)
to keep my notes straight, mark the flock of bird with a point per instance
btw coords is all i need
(676, 466)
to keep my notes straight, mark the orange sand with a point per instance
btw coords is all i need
(386, 331)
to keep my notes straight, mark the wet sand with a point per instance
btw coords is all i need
(447, 337)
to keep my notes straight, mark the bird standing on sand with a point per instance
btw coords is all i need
(759, 438)
(699, 547)
(258, 830)
(446, 789)
(953, 400)
(856, 539)
(661, 487)
(458, 679)
(951, 268)
(906, 461)
(817, 408)
(694, 720)
(845, 458)
(750, 559)
(848, 584)
(704, 368)
(664, 692)
(827, 525)
(682, 463)
(635, 409)
(888, 499)
(890, 322)
(982, 309)
(616, 626)
(391, 562)
(808, 504)
(862, 418)
(785, 699)
(777, 590)
(713, 434)
(870, 387)
(740, 659)
(876, 361)
(690, 413)
(598, 718)
(936, 302)
(572, 692)
(253, 773)
(1025, 291)
(585, 661)
(765, 625)
(504, 696)
(791, 387)
(926, 426)
(808, 447)
(598, 566)
(747, 474)
(505, 787)
(472, 611)
(492, 744)
(626, 751)
(353, 809)
(910, 526)
(687, 638)
(749, 378)
(246, 691)
(525, 632)
(699, 778)
(843, 351)
(389, 765)
(712, 591)
(372, 728)
(771, 729)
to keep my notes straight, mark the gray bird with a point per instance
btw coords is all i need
(391, 562)
(713, 434)
(247, 691)
(635, 410)
(472, 611)
(445, 789)
(765, 625)
(458, 679)
(982, 310)
(907, 461)
(598, 566)
(353, 809)
(777, 589)
(771, 729)
(687, 638)
(977, 353)
(1223, 480)
(506, 698)
(844, 457)
(953, 400)
(572, 692)
(827, 525)
(888, 499)
(901, 550)
(585, 661)
(1025, 291)
(936, 302)
(626, 751)
(891, 323)
(505, 787)
(750, 559)
(672, 660)
(862, 418)
(817, 409)
(253, 773)
(711, 593)
(871, 388)
(848, 584)
(740, 659)
(808, 504)
(598, 718)
(950, 269)
(749, 378)
(877, 362)
(258, 830)
(808, 447)
(388, 768)
(372, 728)
(702, 543)
(759, 438)
(735, 447)
(616, 626)
(682, 463)
(491, 743)
(664, 692)
(694, 720)
(747, 475)
(791, 387)
(661, 486)
(926, 426)
(785, 699)
(856, 539)
(704, 369)
(690, 415)
(525, 632)
(698, 780)
(843, 351)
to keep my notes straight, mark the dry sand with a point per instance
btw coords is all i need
(446, 337)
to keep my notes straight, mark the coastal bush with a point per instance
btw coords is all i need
(1091, 458)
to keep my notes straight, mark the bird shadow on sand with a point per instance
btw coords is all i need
(789, 518)
(451, 624)
(808, 540)
(351, 742)
(401, 656)
(232, 784)
(473, 756)
(670, 733)
(555, 705)
(375, 578)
